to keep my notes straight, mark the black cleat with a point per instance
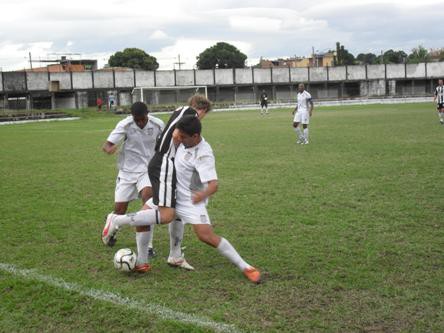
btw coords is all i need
(151, 252)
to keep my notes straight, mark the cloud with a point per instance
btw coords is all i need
(158, 34)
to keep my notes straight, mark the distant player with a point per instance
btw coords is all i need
(302, 114)
(264, 102)
(162, 175)
(439, 99)
(138, 133)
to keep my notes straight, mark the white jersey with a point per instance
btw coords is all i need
(195, 167)
(139, 143)
(304, 99)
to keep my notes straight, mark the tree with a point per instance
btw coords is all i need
(394, 57)
(343, 57)
(367, 58)
(221, 55)
(133, 58)
(419, 54)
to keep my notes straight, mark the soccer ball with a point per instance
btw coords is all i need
(125, 260)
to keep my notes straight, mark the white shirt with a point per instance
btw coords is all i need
(195, 167)
(303, 101)
(139, 143)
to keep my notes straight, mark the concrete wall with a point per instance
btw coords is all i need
(82, 80)
(318, 74)
(124, 79)
(244, 75)
(144, 79)
(164, 78)
(376, 72)
(204, 77)
(1, 81)
(356, 72)
(37, 81)
(63, 78)
(395, 71)
(298, 75)
(185, 78)
(376, 88)
(337, 73)
(281, 75)
(262, 75)
(14, 81)
(224, 76)
(125, 98)
(416, 70)
(82, 99)
(65, 102)
(103, 80)
(435, 69)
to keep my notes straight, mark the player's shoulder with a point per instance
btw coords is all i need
(125, 122)
(307, 94)
(204, 149)
(156, 121)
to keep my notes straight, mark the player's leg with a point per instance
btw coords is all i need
(266, 107)
(298, 131)
(146, 193)
(262, 108)
(176, 257)
(305, 126)
(441, 114)
(206, 234)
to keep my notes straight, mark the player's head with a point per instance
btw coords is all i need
(201, 104)
(301, 87)
(139, 110)
(440, 82)
(189, 130)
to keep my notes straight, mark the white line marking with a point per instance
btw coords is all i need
(101, 295)
(17, 122)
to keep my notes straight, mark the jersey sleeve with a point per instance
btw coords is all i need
(436, 91)
(119, 133)
(206, 167)
(308, 96)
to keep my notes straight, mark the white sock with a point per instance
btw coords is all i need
(298, 132)
(306, 134)
(150, 236)
(142, 239)
(139, 219)
(441, 116)
(228, 251)
(176, 229)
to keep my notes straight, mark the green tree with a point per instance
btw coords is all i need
(419, 54)
(221, 55)
(133, 58)
(367, 58)
(343, 57)
(394, 57)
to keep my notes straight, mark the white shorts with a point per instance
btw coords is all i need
(302, 117)
(189, 213)
(129, 185)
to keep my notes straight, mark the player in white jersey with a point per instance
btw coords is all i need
(439, 99)
(302, 114)
(138, 133)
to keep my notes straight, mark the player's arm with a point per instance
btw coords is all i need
(295, 109)
(310, 106)
(208, 192)
(435, 95)
(109, 147)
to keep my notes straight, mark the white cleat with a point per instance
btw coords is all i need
(300, 141)
(110, 230)
(305, 142)
(180, 262)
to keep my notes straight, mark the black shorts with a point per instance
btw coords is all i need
(163, 180)
(440, 106)
(264, 104)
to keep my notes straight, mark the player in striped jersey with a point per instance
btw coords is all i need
(162, 174)
(439, 99)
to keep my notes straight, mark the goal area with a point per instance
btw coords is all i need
(167, 95)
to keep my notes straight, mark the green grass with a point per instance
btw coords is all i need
(348, 230)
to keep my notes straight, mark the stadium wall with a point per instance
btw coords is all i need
(227, 86)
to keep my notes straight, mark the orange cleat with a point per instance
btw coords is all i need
(142, 268)
(253, 275)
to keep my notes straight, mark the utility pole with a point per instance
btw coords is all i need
(179, 63)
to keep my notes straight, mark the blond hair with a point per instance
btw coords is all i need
(200, 102)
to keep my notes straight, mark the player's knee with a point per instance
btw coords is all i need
(144, 228)
(167, 215)
(295, 125)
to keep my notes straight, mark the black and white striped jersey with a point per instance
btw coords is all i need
(164, 142)
(439, 93)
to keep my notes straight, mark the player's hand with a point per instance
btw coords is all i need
(198, 197)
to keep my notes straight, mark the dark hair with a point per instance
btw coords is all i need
(139, 109)
(200, 102)
(190, 125)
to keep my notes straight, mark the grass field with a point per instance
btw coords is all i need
(348, 230)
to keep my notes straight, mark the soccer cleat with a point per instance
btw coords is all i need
(110, 230)
(142, 268)
(151, 252)
(300, 141)
(180, 262)
(253, 275)
(305, 142)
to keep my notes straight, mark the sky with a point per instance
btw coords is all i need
(270, 29)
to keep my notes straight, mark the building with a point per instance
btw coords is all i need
(315, 60)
